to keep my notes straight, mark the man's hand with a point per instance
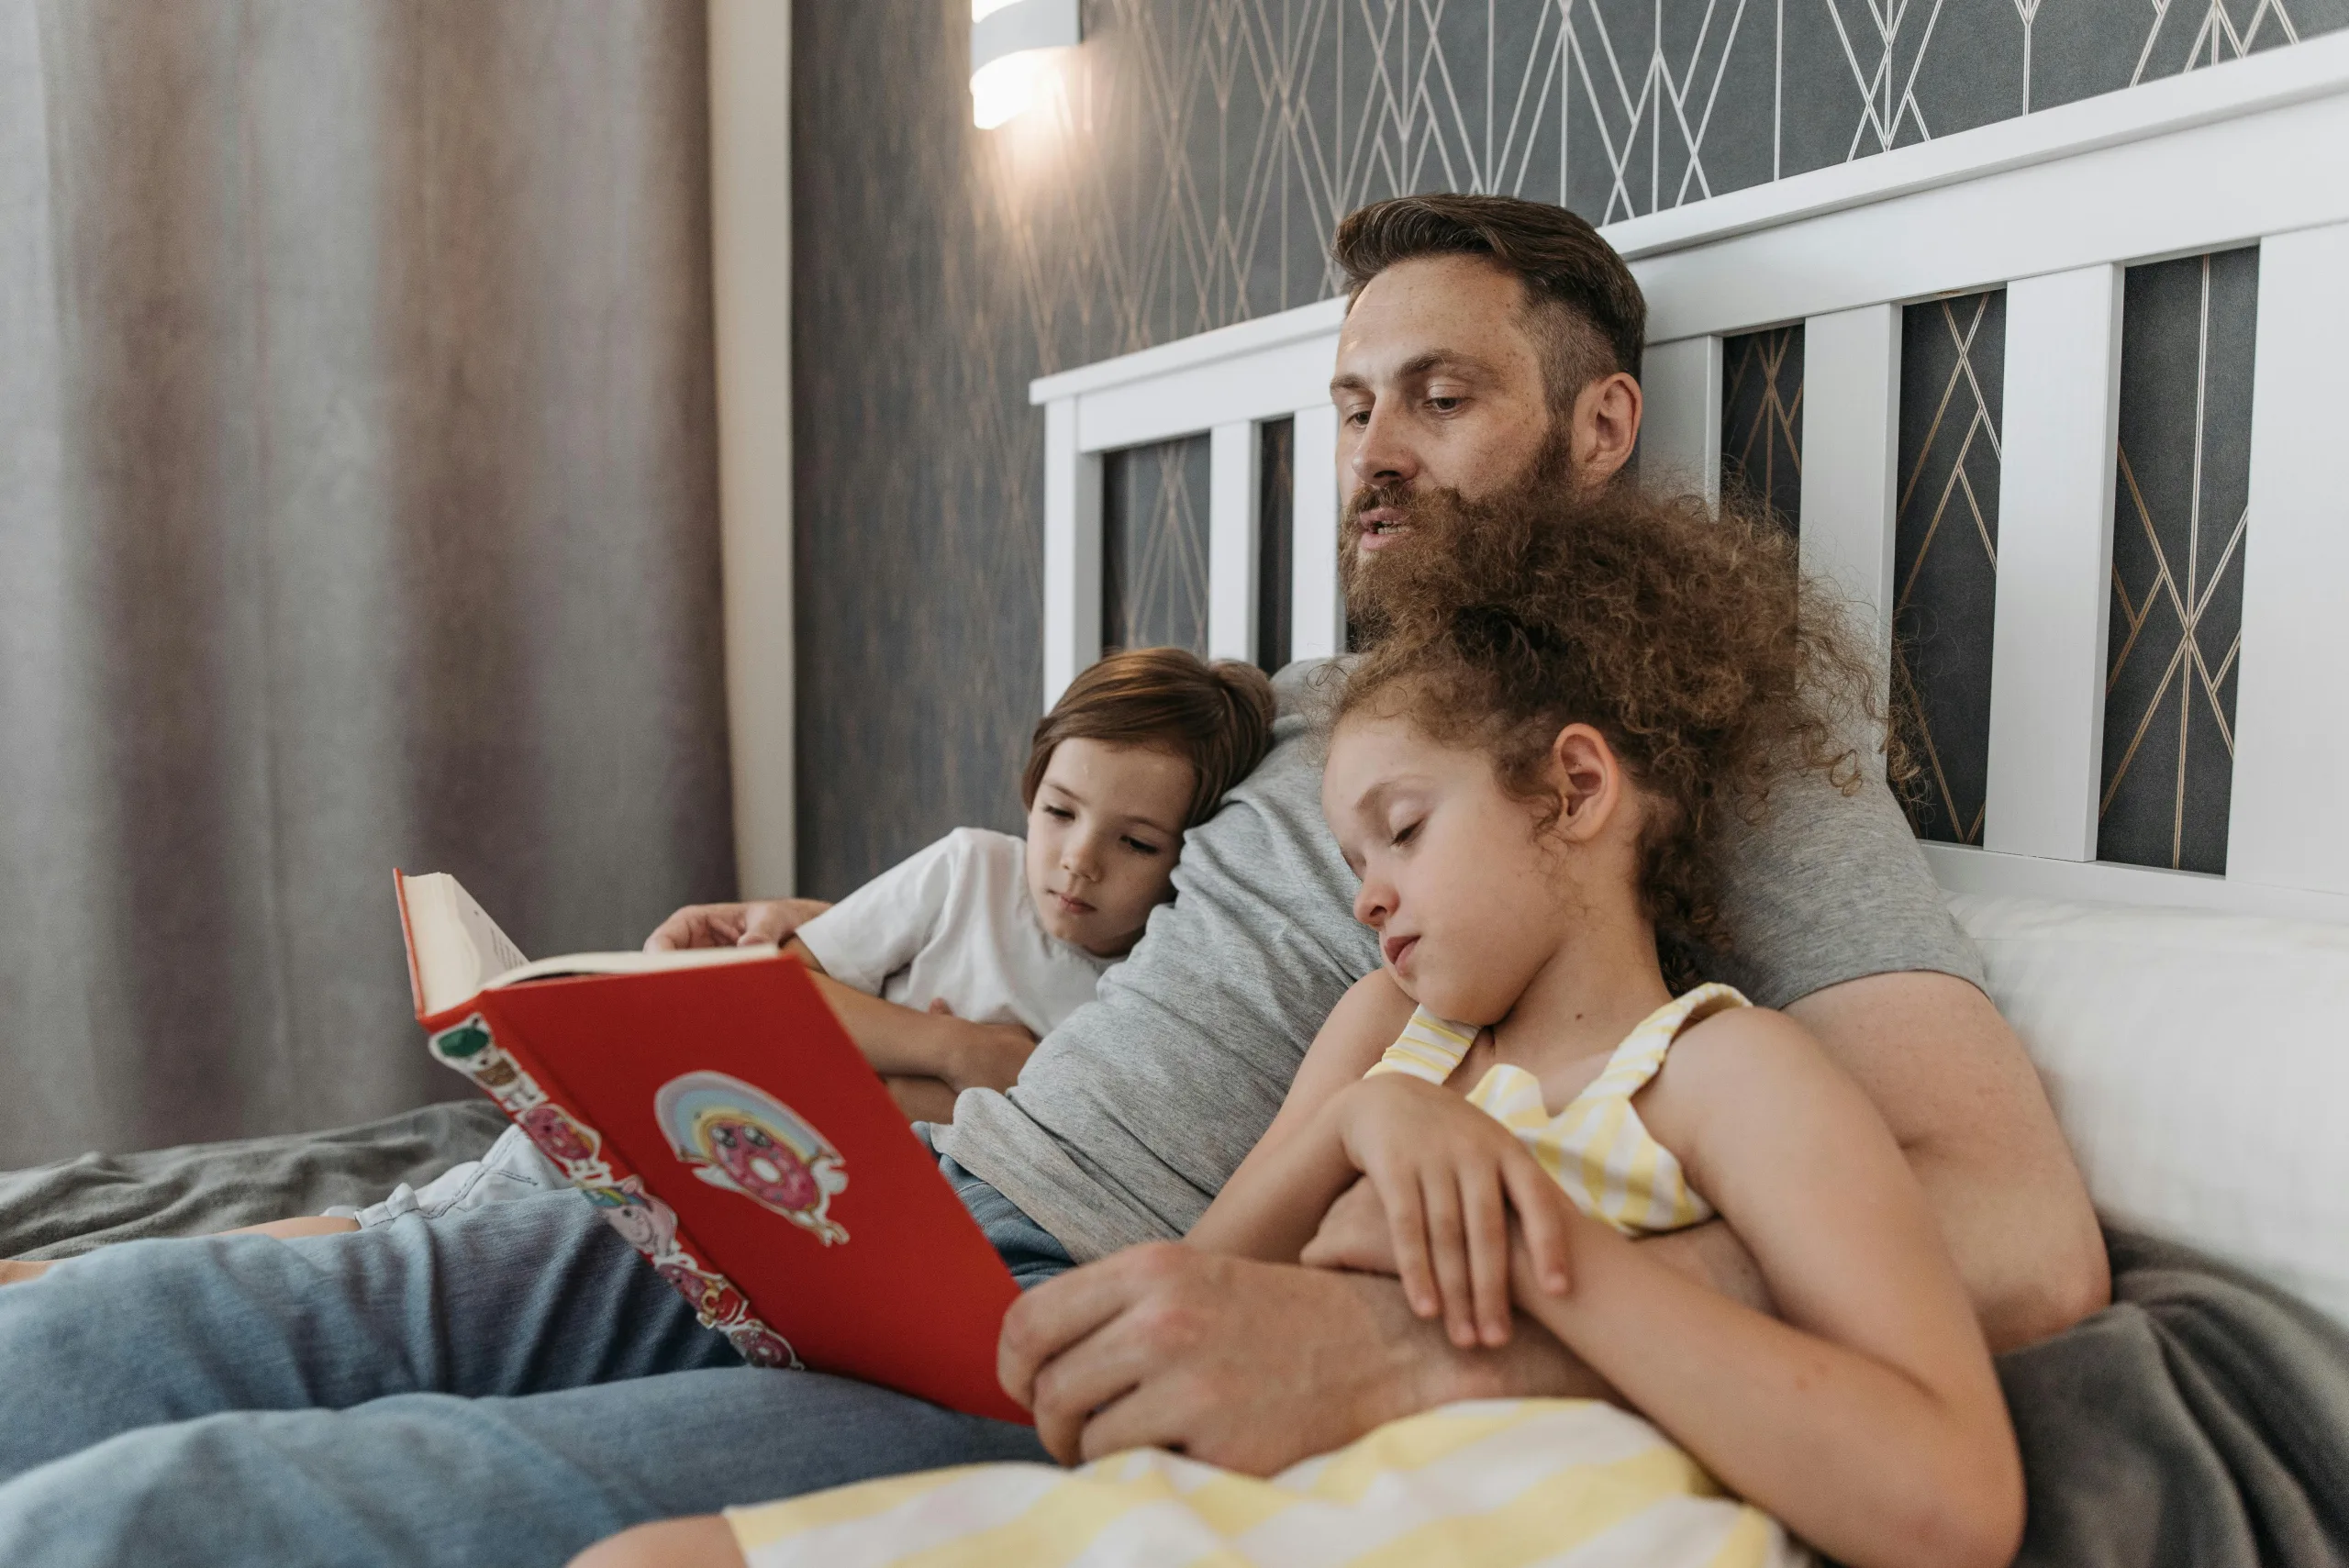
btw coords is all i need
(1250, 1366)
(733, 925)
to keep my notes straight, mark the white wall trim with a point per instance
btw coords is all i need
(2274, 79)
(1234, 455)
(749, 123)
(2055, 486)
(1850, 437)
(2287, 825)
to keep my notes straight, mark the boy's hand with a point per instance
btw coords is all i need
(733, 925)
(1449, 1176)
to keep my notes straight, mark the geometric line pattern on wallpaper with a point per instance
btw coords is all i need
(1945, 555)
(1154, 546)
(1225, 137)
(2180, 520)
(1762, 419)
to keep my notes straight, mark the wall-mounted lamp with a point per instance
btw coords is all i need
(1009, 40)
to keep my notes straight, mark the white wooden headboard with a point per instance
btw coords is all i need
(2052, 206)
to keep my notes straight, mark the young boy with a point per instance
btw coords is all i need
(948, 968)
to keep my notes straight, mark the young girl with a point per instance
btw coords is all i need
(948, 968)
(1527, 773)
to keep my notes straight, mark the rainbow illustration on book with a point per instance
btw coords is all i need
(739, 1139)
(648, 1224)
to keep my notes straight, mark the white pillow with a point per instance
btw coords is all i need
(2200, 1065)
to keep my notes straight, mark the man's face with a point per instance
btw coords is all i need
(1438, 387)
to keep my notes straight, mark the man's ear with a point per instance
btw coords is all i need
(1589, 780)
(1607, 427)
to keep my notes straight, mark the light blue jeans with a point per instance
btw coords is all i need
(502, 1384)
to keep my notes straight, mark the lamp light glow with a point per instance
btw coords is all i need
(1011, 45)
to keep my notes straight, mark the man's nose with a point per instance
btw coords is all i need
(1383, 455)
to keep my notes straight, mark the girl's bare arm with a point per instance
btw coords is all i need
(1275, 1201)
(1869, 1420)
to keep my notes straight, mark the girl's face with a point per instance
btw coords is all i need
(1461, 885)
(1103, 832)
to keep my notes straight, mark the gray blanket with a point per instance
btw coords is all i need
(55, 1211)
(2202, 1421)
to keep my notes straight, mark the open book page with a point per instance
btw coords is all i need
(460, 952)
(457, 947)
(631, 963)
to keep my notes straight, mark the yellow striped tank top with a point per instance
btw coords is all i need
(1598, 1149)
(1487, 1484)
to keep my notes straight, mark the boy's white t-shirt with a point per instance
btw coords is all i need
(955, 924)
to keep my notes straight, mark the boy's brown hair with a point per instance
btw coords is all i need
(1693, 644)
(1582, 302)
(1218, 717)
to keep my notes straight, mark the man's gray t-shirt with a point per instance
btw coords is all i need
(1132, 1114)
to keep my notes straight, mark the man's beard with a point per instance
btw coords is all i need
(1426, 516)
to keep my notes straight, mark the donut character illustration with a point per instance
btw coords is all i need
(761, 1346)
(644, 1221)
(744, 1140)
(565, 1140)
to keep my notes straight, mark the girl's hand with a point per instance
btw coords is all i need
(1449, 1176)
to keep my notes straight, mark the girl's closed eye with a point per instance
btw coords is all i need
(1139, 847)
(1405, 834)
(1061, 812)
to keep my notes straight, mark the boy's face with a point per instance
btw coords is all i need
(1103, 832)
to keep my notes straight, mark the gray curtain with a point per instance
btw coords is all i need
(357, 508)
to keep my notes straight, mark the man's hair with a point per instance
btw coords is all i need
(1695, 645)
(1585, 308)
(1218, 717)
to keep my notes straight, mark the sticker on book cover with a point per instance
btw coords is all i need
(651, 1227)
(739, 1138)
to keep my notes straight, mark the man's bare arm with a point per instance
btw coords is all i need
(1953, 1082)
(1242, 1363)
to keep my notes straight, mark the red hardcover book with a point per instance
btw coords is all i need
(711, 1104)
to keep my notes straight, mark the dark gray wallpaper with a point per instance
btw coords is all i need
(1154, 546)
(2180, 527)
(1762, 419)
(1945, 554)
(1188, 177)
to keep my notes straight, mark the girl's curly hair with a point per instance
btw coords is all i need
(1691, 641)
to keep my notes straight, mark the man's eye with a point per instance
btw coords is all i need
(1443, 404)
(1357, 418)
